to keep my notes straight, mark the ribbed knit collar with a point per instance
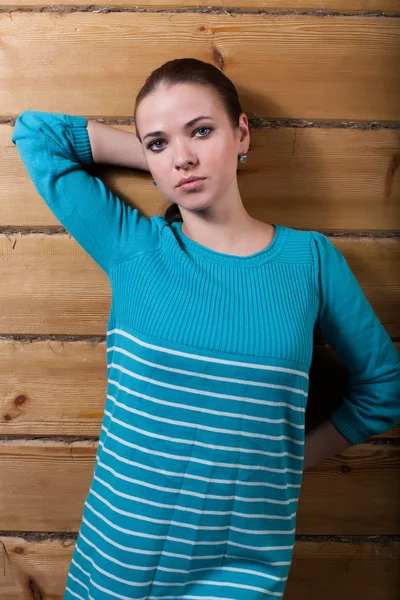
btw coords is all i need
(265, 255)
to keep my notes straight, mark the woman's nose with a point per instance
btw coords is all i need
(184, 156)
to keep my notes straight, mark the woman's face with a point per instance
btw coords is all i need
(207, 148)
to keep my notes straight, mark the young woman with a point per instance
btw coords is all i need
(210, 340)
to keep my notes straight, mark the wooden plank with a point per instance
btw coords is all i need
(38, 473)
(50, 285)
(352, 6)
(342, 495)
(34, 569)
(366, 569)
(354, 493)
(293, 66)
(52, 387)
(323, 179)
(76, 296)
(329, 569)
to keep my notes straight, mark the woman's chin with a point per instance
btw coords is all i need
(196, 204)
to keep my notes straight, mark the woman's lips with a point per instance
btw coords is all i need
(191, 185)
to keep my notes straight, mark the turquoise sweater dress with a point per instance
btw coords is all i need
(200, 458)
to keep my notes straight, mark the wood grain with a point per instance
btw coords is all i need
(352, 6)
(294, 66)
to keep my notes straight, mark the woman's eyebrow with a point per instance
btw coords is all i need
(189, 124)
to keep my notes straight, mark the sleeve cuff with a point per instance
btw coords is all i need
(81, 139)
(344, 421)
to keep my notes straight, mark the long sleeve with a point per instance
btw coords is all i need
(362, 344)
(55, 148)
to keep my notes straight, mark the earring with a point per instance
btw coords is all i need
(154, 183)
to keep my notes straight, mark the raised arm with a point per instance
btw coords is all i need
(55, 149)
(115, 147)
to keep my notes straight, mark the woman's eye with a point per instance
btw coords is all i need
(203, 128)
(150, 146)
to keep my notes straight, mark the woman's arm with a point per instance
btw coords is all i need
(349, 324)
(115, 147)
(323, 442)
(56, 150)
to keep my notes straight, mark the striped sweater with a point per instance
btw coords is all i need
(201, 451)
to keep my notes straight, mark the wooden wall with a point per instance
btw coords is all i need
(320, 82)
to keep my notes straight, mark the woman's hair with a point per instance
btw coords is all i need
(191, 70)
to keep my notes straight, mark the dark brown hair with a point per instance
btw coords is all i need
(191, 70)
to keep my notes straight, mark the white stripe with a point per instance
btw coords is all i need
(230, 584)
(279, 563)
(99, 586)
(192, 510)
(189, 525)
(201, 392)
(110, 575)
(170, 554)
(198, 477)
(79, 581)
(149, 536)
(182, 388)
(167, 570)
(197, 425)
(196, 443)
(202, 375)
(177, 584)
(122, 564)
(206, 358)
(192, 458)
(155, 582)
(73, 593)
(182, 571)
(149, 552)
(261, 548)
(187, 492)
(186, 597)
